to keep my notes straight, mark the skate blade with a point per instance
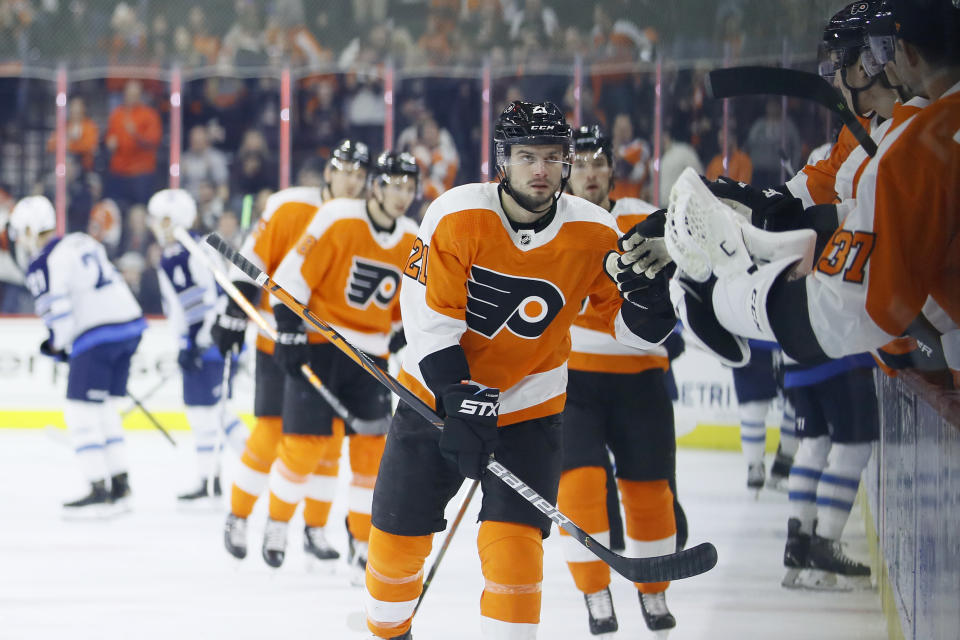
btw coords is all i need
(200, 505)
(777, 484)
(320, 567)
(792, 579)
(91, 513)
(819, 580)
(662, 634)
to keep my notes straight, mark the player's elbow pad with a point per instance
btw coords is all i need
(790, 320)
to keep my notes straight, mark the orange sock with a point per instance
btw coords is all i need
(297, 457)
(650, 523)
(394, 580)
(322, 485)
(259, 454)
(365, 455)
(583, 498)
(511, 556)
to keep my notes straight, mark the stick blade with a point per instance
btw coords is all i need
(675, 566)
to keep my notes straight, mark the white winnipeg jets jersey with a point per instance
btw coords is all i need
(80, 295)
(191, 297)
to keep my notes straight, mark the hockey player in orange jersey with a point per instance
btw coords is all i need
(617, 398)
(283, 221)
(346, 267)
(495, 281)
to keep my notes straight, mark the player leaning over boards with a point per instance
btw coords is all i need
(495, 281)
(893, 263)
(287, 214)
(616, 398)
(191, 299)
(95, 326)
(346, 267)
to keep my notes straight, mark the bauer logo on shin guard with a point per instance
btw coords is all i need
(525, 306)
(531, 496)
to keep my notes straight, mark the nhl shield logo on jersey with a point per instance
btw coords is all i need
(371, 281)
(525, 306)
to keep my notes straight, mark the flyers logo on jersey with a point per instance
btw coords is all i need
(371, 281)
(525, 306)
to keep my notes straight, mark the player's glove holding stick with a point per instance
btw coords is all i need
(291, 349)
(470, 426)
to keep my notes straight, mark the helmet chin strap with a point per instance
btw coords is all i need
(856, 91)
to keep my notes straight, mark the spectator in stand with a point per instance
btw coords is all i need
(737, 165)
(202, 162)
(537, 21)
(14, 297)
(143, 282)
(253, 169)
(770, 137)
(209, 205)
(133, 134)
(245, 42)
(136, 234)
(631, 161)
(228, 226)
(322, 115)
(205, 45)
(487, 27)
(83, 135)
(105, 225)
(128, 37)
(678, 154)
(437, 154)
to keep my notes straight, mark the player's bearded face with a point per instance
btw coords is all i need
(535, 173)
(590, 176)
(348, 181)
(398, 194)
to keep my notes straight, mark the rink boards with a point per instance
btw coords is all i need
(34, 387)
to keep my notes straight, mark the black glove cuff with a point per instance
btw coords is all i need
(443, 368)
(287, 320)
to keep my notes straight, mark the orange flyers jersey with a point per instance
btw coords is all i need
(348, 273)
(897, 251)
(815, 184)
(283, 221)
(507, 297)
(593, 348)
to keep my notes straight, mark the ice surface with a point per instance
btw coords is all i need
(161, 572)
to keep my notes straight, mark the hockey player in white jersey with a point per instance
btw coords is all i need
(191, 299)
(95, 326)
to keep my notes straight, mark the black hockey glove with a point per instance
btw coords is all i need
(644, 254)
(470, 427)
(291, 349)
(674, 345)
(774, 209)
(397, 341)
(229, 330)
(58, 355)
(647, 310)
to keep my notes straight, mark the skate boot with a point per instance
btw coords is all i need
(603, 619)
(96, 504)
(316, 545)
(779, 472)
(356, 559)
(405, 636)
(795, 554)
(274, 542)
(120, 491)
(756, 475)
(200, 493)
(655, 612)
(235, 536)
(830, 569)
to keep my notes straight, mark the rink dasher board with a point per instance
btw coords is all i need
(34, 387)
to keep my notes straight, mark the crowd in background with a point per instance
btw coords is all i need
(230, 53)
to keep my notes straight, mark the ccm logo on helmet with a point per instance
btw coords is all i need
(525, 306)
(371, 281)
(478, 408)
(542, 127)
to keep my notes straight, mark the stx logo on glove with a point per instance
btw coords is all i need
(371, 281)
(525, 306)
(479, 408)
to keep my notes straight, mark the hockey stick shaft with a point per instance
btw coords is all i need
(149, 394)
(446, 543)
(221, 428)
(733, 82)
(224, 281)
(684, 564)
(153, 420)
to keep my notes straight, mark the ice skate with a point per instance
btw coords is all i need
(96, 504)
(795, 554)
(318, 551)
(756, 476)
(603, 619)
(656, 614)
(405, 636)
(120, 492)
(235, 536)
(780, 472)
(201, 496)
(830, 569)
(356, 559)
(274, 542)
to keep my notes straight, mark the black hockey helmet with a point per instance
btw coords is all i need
(845, 36)
(593, 138)
(933, 25)
(350, 152)
(396, 163)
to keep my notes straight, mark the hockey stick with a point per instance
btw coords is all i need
(221, 428)
(675, 566)
(358, 425)
(446, 543)
(733, 82)
(153, 420)
(146, 396)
